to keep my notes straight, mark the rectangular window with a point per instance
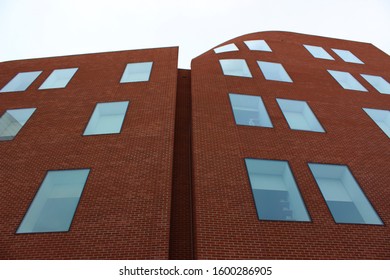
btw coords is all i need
(274, 71)
(378, 83)
(227, 48)
(21, 81)
(249, 110)
(12, 121)
(137, 72)
(258, 45)
(346, 80)
(235, 67)
(55, 203)
(347, 56)
(381, 118)
(275, 192)
(318, 52)
(107, 118)
(299, 115)
(345, 199)
(58, 78)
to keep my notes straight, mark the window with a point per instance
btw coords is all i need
(346, 80)
(107, 118)
(227, 48)
(21, 81)
(12, 121)
(235, 67)
(258, 45)
(347, 56)
(55, 203)
(342, 194)
(274, 190)
(381, 118)
(274, 71)
(249, 110)
(318, 52)
(137, 72)
(377, 82)
(299, 115)
(58, 78)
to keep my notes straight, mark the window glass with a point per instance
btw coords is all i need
(235, 67)
(381, 118)
(55, 203)
(318, 52)
(58, 78)
(12, 121)
(107, 118)
(274, 71)
(346, 80)
(342, 194)
(377, 82)
(347, 56)
(137, 72)
(227, 48)
(299, 115)
(275, 192)
(21, 81)
(258, 45)
(249, 110)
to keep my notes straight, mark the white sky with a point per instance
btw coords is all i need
(43, 28)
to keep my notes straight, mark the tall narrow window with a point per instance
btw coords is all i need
(235, 67)
(249, 110)
(318, 52)
(227, 48)
(258, 45)
(274, 71)
(275, 192)
(346, 80)
(55, 203)
(381, 118)
(342, 194)
(12, 121)
(347, 56)
(378, 83)
(137, 72)
(58, 78)
(107, 118)
(299, 115)
(21, 81)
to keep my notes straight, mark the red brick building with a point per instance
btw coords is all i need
(274, 146)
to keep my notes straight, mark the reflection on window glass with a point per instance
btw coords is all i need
(59, 78)
(137, 72)
(235, 67)
(258, 45)
(318, 52)
(12, 121)
(274, 71)
(347, 56)
(21, 81)
(227, 48)
(381, 118)
(378, 83)
(346, 80)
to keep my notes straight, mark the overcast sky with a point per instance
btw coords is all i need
(42, 28)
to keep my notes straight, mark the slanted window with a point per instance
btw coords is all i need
(107, 118)
(249, 110)
(381, 118)
(274, 71)
(258, 45)
(299, 115)
(12, 121)
(55, 203)
(345, 199)
(346, 80)
(318, 52)
(347, 56)
(21, 81)
(378, 83)
(137, 72)
(227, 48)
(235, 67)
(275, 192)
(58, 78)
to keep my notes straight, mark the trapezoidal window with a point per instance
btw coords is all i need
(227, 48)
(381, 118)
(318, 52)
(258, 45)
(235, 67)
(21, 81)
(274, 71)
(137, 72)
(59, 78)
(378, 83)
(12, 121)
(347, 56)
(346, 80)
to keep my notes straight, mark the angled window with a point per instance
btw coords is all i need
(249, 110)
(275, 192)
(381, 118)
(258, 45)
(378, 83)
(107, 118)
(235, 67)
(346, 80)
(342, 194)
(318, 52)
(12, 121)
(227, 48)
(137, 72)
(55, 203)
(347, 56)
(21, 81)
(274, 71)
(299, 115)
(58, 78)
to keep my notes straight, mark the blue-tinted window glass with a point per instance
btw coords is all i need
(227, 48)
(21, 81)
(12, 121)
(58, 78)
(318, 52)
(381, 118)
(346, 80)
(378, 82)
(235, 67)
(274, 71)
(137, 72)
(258, 45)
(347, 56)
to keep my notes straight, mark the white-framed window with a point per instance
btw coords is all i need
(318, 52)
(381, 118)
(274, 71)
(137, 72)
(235, 67)
(21, 81)
(59, 78)
(378, 83)
(347, 56)
(258, 45)
(227, 48)
(346, 80)
(12, 121)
